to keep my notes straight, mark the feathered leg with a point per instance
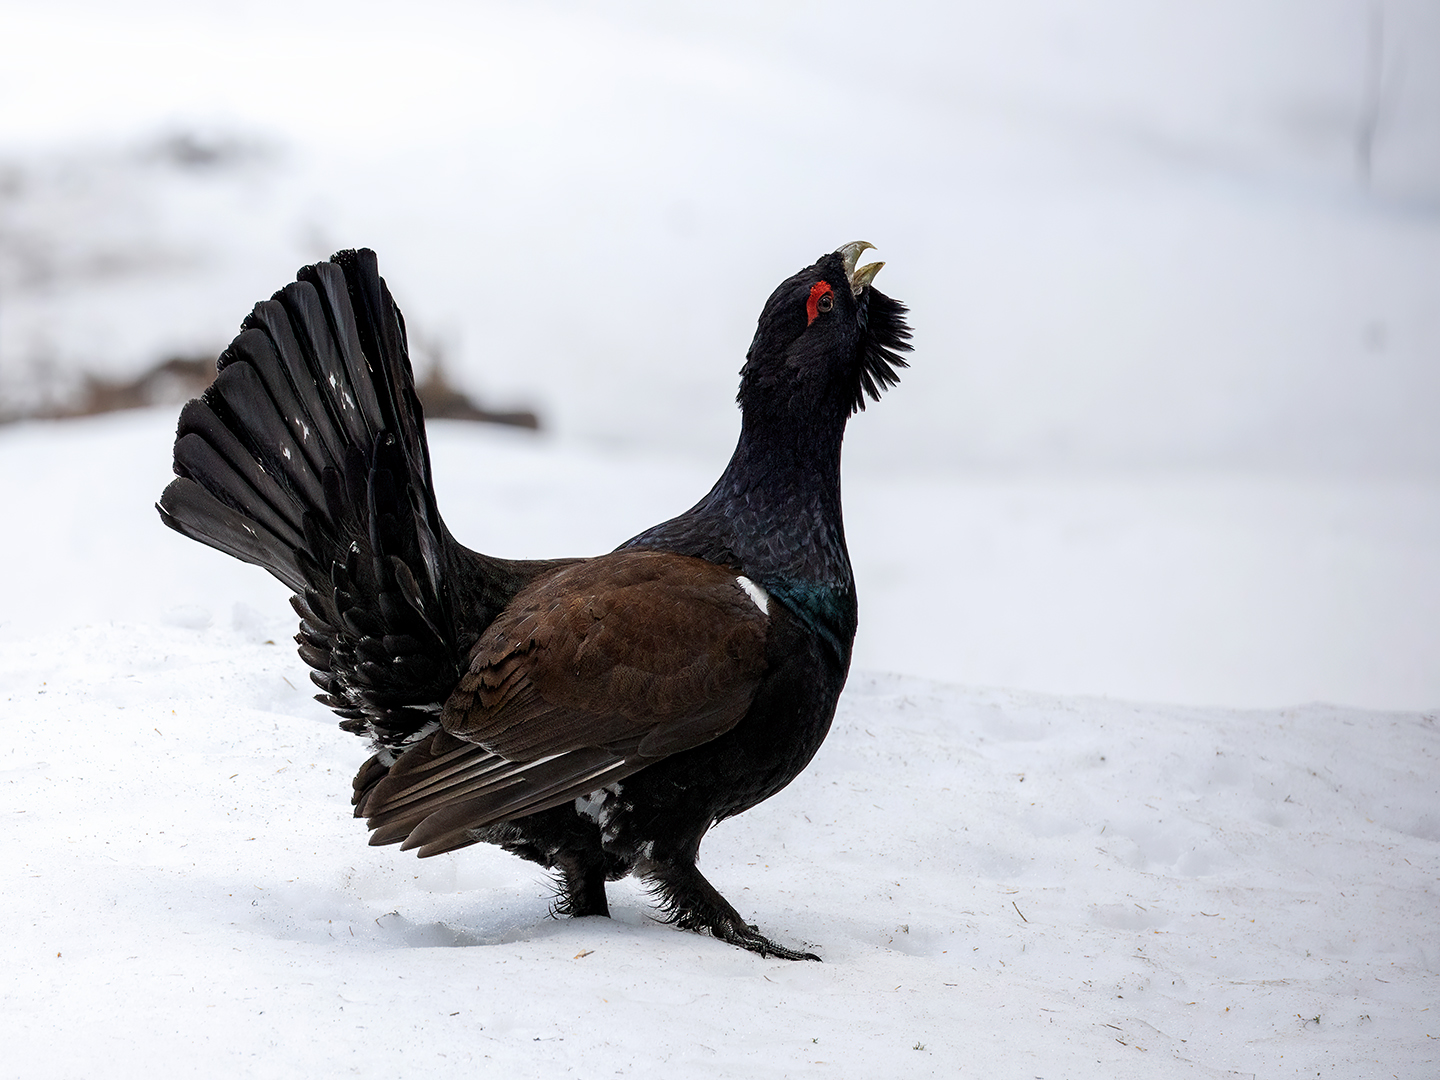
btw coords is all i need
(582, 885)
(692, 903)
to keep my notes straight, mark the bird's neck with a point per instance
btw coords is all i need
(781, 490)
(775, 516)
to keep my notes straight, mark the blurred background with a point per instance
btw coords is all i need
(1171, 426)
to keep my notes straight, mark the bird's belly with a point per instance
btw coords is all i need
(742, 768)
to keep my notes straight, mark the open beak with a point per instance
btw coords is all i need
(863, 276)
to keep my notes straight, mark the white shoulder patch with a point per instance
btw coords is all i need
(755, 592)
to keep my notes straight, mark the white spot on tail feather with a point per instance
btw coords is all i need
(755, 592)
(387, 755)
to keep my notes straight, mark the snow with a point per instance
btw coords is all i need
(1218, 588)
(1165, 467)
(1132, 233)
(1001, 883)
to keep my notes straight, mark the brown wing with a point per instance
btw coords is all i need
(588, 675)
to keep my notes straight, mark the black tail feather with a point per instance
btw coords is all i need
(307, 456)
(192, 510)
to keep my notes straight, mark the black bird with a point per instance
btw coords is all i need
(597, 715)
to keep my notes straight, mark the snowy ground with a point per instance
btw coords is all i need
(1001, 883)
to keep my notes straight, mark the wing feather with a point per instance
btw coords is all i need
(589, 675)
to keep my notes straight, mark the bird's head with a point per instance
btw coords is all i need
(826, 339)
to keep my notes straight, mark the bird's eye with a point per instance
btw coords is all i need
(822, 299)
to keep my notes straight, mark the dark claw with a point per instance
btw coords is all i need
(749, 937)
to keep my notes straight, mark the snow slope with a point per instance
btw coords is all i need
(1211, 588)
(1001, 883)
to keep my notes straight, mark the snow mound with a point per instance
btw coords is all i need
(1000, 883)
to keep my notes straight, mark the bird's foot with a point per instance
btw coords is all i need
(749, 937)
(692, 903)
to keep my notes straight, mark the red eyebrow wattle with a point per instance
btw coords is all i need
(812, 305)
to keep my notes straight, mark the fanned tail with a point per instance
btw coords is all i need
(307, 456)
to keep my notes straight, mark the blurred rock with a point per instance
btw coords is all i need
(180, 378)
(442, 401)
